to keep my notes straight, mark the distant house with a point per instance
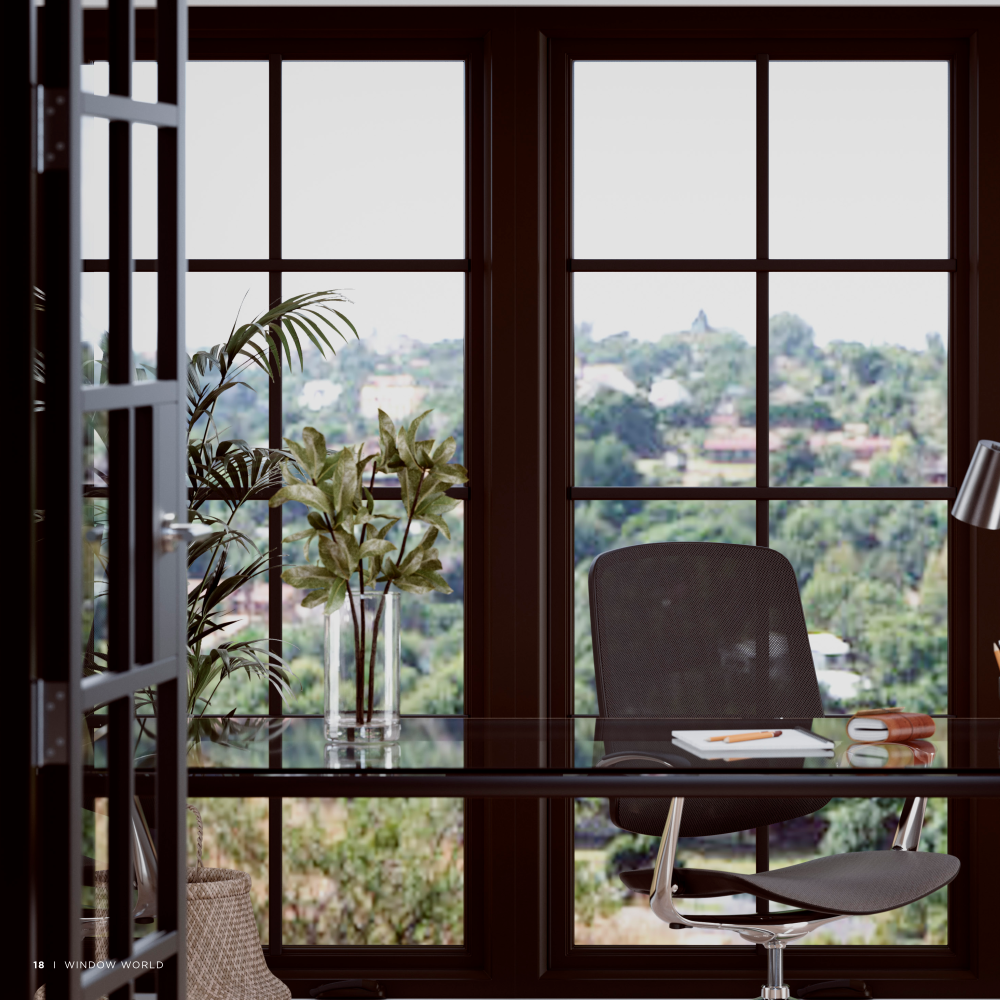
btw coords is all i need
(833, 669)
(786, 395)
(590, 379)
(676, 459)
(725, 415)
(318, 394)
(398, 395)
(935, 470)
(863, 448)
(667, 392)
(738, 447)
(829, 652)
(248, 602)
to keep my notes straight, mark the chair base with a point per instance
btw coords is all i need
(775, 993)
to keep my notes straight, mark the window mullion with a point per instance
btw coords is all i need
(763, 252)
(275, 861)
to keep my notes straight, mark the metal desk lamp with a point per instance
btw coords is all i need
(978, 501)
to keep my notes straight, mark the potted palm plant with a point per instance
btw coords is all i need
(223, 469)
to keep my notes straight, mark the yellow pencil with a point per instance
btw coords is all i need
(741, 737)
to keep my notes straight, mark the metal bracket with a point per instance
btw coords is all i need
(54, 126)
(51, 722)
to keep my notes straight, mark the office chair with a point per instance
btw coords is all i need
(713, 631)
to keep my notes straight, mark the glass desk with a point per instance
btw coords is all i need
(570, 757)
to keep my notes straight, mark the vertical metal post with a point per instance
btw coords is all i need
(143, 526)
(120, 793)
(120, 712)
(171, 791)
(274, 532)
(121, 49)
(59, 785)
(20, 79)
(274, 420)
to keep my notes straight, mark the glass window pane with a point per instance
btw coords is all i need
(858, 379)
(144, 192)
(858, 159)
(873, 575)
(846, 826)
(144, 165)
(373, 871)
(664, 161)
(606, 913)
(216, 302)
(409, 357)
(94, 181)
(665, 379)
(374, 159)
(432, 636)
(243, 611)
(235, 836)
(144, 325)
(227, 171)
(95, 316)
(96, 541)
(601, 525)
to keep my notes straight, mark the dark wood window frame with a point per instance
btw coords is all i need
(746, 35)
(804, 962)
(320, 963)
(520, 664)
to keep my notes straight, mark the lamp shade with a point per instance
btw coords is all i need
(978, 501)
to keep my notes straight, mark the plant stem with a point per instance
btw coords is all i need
(360, 656)
(381, 603)
(406, 533)
(364, 528)
(359, 665)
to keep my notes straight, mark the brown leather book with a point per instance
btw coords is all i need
(889, 727)
(916, 753)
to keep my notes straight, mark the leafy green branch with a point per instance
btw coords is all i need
(235, 472)
(332, 486)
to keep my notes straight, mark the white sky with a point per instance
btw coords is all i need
(664, 167)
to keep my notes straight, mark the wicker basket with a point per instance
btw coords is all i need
(224, 957)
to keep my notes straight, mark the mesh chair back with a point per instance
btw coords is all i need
(686, 630)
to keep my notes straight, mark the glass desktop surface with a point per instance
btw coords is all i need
(562, 746)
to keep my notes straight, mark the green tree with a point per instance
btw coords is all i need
(373, 871)
(630, 419)
(791, 336)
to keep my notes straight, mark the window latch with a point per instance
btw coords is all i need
(173, 531)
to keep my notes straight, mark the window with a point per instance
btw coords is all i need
(593, 302)
(758, 346)
(304, 174)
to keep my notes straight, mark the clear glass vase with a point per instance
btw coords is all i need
(361, 669)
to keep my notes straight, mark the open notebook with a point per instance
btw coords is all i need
(791, 743)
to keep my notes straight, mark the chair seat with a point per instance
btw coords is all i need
(849, 884)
